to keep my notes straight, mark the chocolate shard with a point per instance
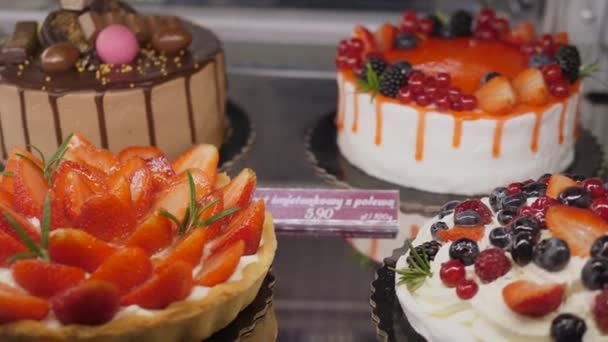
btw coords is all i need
(22, 44)
(113, 18)
(160, 22)
(74, 5)
(137, 24)
(91, 24)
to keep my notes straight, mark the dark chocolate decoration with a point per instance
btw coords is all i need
(91, 24)
(171, 40)
(137, 24)
(64, 26)
(73, 5)
(116, 6)
(59, 57)
(22, 44)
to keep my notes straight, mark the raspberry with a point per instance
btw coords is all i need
(491, 264)
(475, 205)
(600, 311)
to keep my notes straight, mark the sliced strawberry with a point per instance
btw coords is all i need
(30, 188)
(188, 249)
(169, 284)
(126, 170)
(247, 225)
(239, 191)
(204, 157)
(176, 198)
(72, 188)
(95, 179)
(43, 279)
(106, 217)
(139, 152)
(385, 36)
(126, 269)
(213, 230)
(152, 235)
(78, 140)
(11, 164)
(496, 96)
(90, 303)
(16, 305)
(10, 247)
(521, 33)
(557, 184)
(6, 199)
(25, 224)
(142, 189)
(531, 299)
(100, 159)
(162, 173)
(121, 188)
(220, 266)
(369, 41)
(455, 233)
(530, 87)
(77, 248)
(578, 227)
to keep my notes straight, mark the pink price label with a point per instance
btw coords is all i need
(357, 213)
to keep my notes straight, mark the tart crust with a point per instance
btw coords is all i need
(191, 320)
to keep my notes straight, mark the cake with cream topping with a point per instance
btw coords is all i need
(457, 105)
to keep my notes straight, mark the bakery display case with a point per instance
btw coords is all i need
(287, 115)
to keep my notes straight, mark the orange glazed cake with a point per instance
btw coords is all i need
(120, 77)
(457, 104)
(127, 247)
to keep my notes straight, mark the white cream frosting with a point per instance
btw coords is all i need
(437, 313)
(469, 169)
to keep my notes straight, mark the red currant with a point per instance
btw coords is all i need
(430, 80)
(343, 46)
(485, 16)
(426, 25)
(452, 273)
(356, 45)
(469, 101)
(416, 79)
(443, 79)
(485, 33)
(528, 48)
(600, 207)
(525, 211)
(430, 90)
(416, 88)
(409, 15)
(514, 188)
(552, 73)
(456, 104)
(543, 203)
(467, 289)
(559, 88)
(501, 25)
(341, 62)
(594, 186)
(454, 93)
(409, 26)
(405, 94)
(423, 100)
(546, 40)
(442, 101)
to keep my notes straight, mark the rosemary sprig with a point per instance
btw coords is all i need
(372, 82)
(35, 250)
(192, 216)
(48, 167)
(591, 70)
(414, 276)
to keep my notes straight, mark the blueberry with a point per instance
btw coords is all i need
(575, 196)
(568, 328)
(501, 237)
(506, 215)
(448, 208)
(496, 198)
(522, 249)
(528, 225)
(465, 250)
(595, 273)
(551, 254)
(538, 60)
(600, 247)
(535, 189)
(488, 76)
(437, 226)
(467, 218)
(514, 201)
(405, 41)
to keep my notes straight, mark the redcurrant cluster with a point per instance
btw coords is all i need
(547, 45)
(426, 90)
(489, 26)
(349, 54)
(410, 23)
(556, 82)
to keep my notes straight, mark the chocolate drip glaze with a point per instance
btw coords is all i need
(56, 119)
(150, 116)
(26, 132)
(101, 118)
(2, 142)
(189, 105)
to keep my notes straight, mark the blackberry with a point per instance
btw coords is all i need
(394, 78)
(430, 248)
(377, 64)
(569, 61)
(461, 23)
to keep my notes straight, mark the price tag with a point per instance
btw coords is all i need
(356, 213)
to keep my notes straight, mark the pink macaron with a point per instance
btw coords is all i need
(116, 44)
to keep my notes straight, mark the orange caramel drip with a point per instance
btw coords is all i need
(378, 100)
(562, 121)
(458, 120)
(373, 249)
(420, 134)
(497, 138)
(355, 126)
(536, 131)
(466, 60)
(341, 97)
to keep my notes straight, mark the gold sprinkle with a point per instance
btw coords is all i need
(196, 66)
(43, 88)
(179, 65)
(20, 66)
(131, 85)
(19, 73)
(182, 52)
(48, 78)
(27, 62)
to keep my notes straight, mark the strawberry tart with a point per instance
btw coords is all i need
(457, 104)
(127, 247)
(527, 263)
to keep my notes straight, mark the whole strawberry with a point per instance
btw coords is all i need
(491, 264)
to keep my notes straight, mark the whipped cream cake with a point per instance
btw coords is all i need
(527, 263)
(457, 104)
(120, 77)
